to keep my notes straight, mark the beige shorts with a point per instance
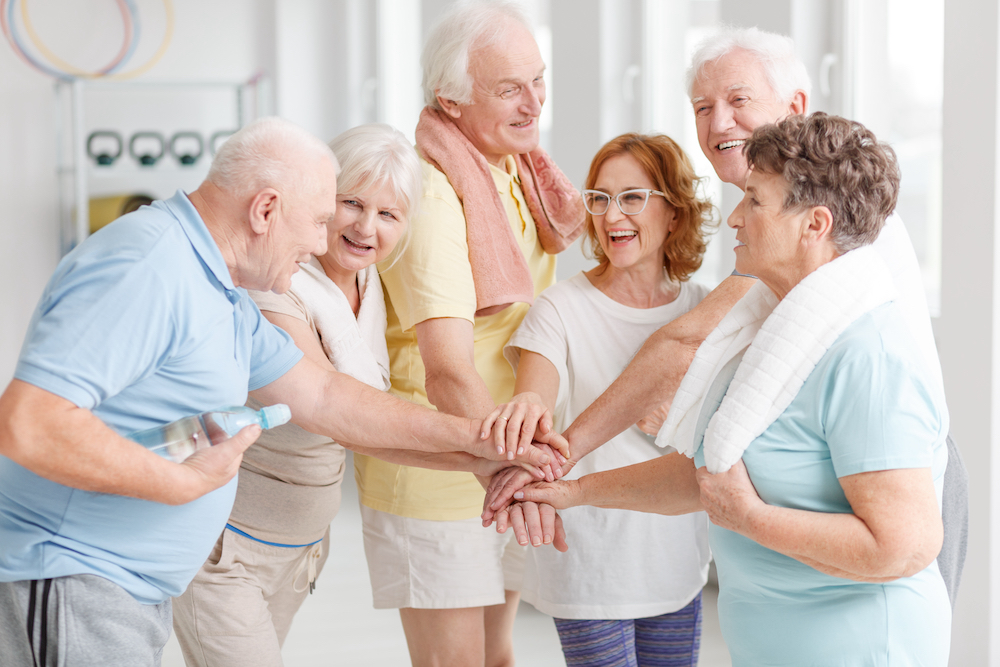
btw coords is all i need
(421, 564)
(239, 608)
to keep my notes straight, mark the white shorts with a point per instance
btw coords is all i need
(421, 564)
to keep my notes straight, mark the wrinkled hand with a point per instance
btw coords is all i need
(651, 423)
(503, 485)
(500, 492)
(533, 523)
(534, 455)
(211, 468)
(729, 497)
(517, 423)
(562, 494)
(553, 470)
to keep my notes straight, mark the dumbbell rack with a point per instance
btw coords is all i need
(83, 106)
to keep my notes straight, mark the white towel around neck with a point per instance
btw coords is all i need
(355, 346)
(786, 340)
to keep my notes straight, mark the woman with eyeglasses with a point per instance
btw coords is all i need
(632, 595)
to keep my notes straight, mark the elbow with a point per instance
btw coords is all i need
(909, 557)
(900, 568)
(16, 432)
(921, 557)
(440, 386)
(434, 386)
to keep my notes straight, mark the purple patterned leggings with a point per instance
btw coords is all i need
(670, 640)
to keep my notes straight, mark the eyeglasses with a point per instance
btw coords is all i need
(630, 202)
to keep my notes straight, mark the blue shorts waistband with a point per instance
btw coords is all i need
(236, 530)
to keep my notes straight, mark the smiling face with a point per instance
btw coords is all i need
(769, 239)
(365, 230)
(507, 96)
(731, 97)
(632, 241)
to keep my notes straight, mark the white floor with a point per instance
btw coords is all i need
(337, 625)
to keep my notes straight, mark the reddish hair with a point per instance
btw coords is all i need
(670, 169)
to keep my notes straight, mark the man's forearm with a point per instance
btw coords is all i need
(450, 461)
(63, 443)
(459, 391)
(356, 415)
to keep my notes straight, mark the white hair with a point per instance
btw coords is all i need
(377, 155)
(267, 153)
(466, 25)
(785, 72)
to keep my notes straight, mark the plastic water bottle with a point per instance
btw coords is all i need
(182, 438)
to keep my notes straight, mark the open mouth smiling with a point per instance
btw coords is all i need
(354, 245)
(728, 145)
(622, 236)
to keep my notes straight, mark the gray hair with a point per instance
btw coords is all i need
(466, 25)
(785, 72)
(266, 153)
(377, 155)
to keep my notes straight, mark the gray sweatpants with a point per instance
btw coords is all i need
(88, 621)
(955, 516)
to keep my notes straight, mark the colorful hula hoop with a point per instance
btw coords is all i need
(132, 31)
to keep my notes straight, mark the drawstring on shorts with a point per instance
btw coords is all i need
(308, 563)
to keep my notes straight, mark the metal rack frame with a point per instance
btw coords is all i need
(251, 100)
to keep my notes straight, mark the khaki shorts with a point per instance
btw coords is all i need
(239, 608)
(421, 564)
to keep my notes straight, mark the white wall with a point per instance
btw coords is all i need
(29, 223)
(969, 328)
(222, 39)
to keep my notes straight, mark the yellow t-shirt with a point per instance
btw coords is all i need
(433, 279)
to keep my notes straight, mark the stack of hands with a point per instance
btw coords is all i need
(525, 491)
(518, 427)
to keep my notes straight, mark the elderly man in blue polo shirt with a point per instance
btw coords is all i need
(146, 322)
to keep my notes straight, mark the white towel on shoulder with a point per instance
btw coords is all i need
(355, 346)
(787, 339)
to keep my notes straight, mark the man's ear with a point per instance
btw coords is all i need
(799, 103)
(264, 208)
(450, 107)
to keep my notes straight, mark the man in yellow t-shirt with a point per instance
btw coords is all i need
(427, 551)
(429, 291)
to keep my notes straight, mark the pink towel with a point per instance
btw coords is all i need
(499, 269)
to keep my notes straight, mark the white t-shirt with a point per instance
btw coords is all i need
(621, 564)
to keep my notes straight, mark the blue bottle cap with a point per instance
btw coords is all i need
(275, 415)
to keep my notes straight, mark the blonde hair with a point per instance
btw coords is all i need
(377, 155)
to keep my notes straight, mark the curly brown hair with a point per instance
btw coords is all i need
(669, 167)
(833, 162)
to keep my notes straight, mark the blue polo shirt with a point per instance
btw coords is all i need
(142, 325)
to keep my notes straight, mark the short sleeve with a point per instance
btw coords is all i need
(433, 276)
(86, 311)
(284, 304)
(273, 353)
(879, 413)
(543, 332)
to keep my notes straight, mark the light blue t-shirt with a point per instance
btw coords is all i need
(867, 406)
(142, 325)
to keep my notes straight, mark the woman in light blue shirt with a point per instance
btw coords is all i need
(811, 419)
